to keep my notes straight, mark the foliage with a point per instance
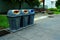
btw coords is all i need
(58, 4)
(32, 3)
(55, 10)
(41, 6)
(58, 7)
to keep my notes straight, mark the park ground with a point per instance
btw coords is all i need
(43, 29)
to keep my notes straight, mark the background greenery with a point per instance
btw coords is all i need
(55, 10)
(58, 4)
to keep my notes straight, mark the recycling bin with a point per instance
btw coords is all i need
(24, 18)
(14, 20)
(31, 17)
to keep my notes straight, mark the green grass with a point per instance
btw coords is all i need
(56, 12)
(4, 22)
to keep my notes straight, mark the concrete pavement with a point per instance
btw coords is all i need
(44, 29)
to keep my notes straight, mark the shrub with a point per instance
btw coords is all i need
(53, 9)
(58, 7)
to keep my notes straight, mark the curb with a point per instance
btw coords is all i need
(39, 18)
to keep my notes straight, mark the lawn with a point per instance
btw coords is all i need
(3, 22)
(56, 12)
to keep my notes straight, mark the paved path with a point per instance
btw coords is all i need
(40, 14)
(44, 29)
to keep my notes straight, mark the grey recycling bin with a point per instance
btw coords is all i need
(31, 16)
(14, 20)
(24, 18)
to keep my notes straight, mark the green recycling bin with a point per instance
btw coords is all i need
(14, 20)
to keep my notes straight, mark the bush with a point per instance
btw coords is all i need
(58, 7)
(53, 9)
(58, 10)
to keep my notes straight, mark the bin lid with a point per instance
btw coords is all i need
(31, 11)
(25, 11)
(13, 13)
(28, 11)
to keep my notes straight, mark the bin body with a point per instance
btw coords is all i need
(24, 19)
(14, 20)
(31, 17)
(14, 23)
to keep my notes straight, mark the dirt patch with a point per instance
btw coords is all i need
(3, 32)
(1, 28)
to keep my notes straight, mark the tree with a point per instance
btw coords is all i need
(58, 3)
(17, 3)
(32, 3)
